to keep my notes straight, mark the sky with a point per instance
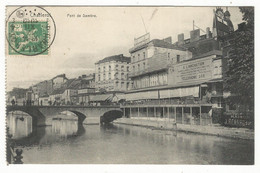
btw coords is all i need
(80, 42)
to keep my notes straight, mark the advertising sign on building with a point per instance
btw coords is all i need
(190, 72)
(142, 40)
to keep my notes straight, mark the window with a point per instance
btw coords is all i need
(133, 68)
(127, 68)
(116, 75)
(138, 67)
(220, 105)
(109, 67)
(144, 54)
(138, 57)
(133, 58)
(168, 55)
(122, 68)
(144, 65)
(178, 58)
(104, 76)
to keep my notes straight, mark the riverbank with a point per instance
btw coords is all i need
(216, 130)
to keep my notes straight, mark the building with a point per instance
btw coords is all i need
(182, 81)
(57, 96)
(69, 97)
(150, 62)
(86, 88)
(111, 73)
(46, 87)
(44, 100)
(17, 95)
(74, 91)
(58, 81)
(143, 50)
(42, 89)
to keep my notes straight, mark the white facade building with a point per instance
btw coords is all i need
(111, 73)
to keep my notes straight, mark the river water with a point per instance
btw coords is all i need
(66, 142)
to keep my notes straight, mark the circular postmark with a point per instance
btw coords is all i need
(30, 30)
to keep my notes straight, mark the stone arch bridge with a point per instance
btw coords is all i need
(43, 115)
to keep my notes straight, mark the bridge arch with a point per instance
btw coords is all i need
(81, 116)
(110, 116)
(34, 113)
(43, 115)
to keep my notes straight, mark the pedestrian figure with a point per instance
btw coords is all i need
(13, 102)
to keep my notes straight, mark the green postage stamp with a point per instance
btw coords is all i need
(28, 38)
(30, 31)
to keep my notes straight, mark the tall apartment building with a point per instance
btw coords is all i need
(111, 73)
(150, 61)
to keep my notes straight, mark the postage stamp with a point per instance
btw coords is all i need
(28, 38)
(30, 31)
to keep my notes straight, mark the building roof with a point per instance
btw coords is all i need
(158, 43)
(87, 77)
(74, 84)
(202, 46)
(183, 85)
(164, 44)
(103, 97)
(213, 52)
(61, 75)
(58, 91)
(119, 57)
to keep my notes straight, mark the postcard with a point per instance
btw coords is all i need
(130, 85)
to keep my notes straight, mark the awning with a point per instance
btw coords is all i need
(142, 95)
(103, 97)
(117, 98)
(180, 92)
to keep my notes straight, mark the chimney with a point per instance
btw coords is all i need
(168, 40)
(208, 33)
(180, 39)
(195, 35)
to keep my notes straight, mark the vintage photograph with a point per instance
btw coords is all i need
(130, 85)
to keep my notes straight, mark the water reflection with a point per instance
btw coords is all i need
(20, 127)
(67, 142)
(64, 128)
(19, 124)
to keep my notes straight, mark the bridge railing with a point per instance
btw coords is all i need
(64, 106)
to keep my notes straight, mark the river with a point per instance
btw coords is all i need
(66, 142)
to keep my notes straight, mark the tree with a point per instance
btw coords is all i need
(239, 78)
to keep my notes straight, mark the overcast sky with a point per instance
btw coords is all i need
(80, 42)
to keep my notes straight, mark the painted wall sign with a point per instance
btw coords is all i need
(193, 71)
